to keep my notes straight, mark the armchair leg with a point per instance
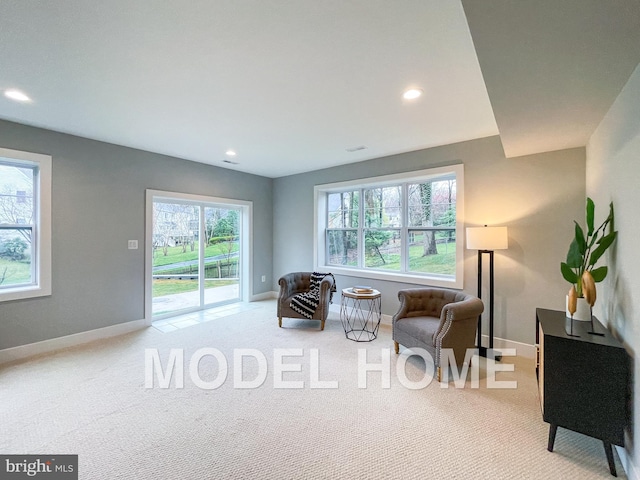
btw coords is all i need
(439, 374)
(280, 322)
(396, 347)
(321, 324)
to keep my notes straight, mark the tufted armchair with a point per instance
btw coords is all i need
(436, 318)
(299, 282)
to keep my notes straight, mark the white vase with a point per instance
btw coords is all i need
(583, 311)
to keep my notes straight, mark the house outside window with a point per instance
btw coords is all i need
(25, 224)
(404, 227)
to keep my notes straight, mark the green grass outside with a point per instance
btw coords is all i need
(391, 262)
(175, 255)
(443, 263)
(162, 287)
(17, 272)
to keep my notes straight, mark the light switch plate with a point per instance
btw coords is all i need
(133, 244)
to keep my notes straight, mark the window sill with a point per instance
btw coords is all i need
(20, 293)
(427, 280)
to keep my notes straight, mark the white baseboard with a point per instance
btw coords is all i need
(522, 349)
(385, 320)
(46, 346)
(627, 464)
(24, 351)
(263, 296)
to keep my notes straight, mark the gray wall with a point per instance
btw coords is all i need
(537, 197)
(98, 204)
(98, 198)
(613, 170)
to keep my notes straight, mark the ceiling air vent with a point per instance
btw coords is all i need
(355, 149)
(229, 161)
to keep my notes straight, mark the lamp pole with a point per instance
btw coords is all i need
(486, 240)
(484, 351)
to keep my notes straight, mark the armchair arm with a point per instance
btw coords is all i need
(458, 323)
(326, 288)
(326, 294)
(404, 306)
(470, 307)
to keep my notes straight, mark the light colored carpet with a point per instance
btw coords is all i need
(90, 400)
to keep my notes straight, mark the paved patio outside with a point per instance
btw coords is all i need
(180, 301)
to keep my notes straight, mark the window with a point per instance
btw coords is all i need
(25, 224)
(403, 227)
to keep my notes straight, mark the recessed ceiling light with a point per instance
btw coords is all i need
(231, 153)
(16, 95)
(412, 93)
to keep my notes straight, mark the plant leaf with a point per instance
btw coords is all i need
(582, 244)
(599, 273)
(568, 274)
(603, 244)
(590, 216)
(574, 257)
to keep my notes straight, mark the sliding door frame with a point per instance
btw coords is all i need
(246, 240)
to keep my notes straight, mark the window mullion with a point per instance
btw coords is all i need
(202, 241)
(17, 226)
(361, 228)
(404, 230)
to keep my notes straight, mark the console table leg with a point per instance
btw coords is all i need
(609, 452)
(552, 436)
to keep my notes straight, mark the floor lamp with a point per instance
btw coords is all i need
(486, 240)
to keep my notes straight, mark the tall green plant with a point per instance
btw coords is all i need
(586, 250)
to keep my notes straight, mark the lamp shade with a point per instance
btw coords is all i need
(487, 238)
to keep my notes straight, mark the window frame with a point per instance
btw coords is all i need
(246, 236)
(41, 232)
(320, 246)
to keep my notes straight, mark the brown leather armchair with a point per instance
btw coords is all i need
(300, 282)
(437, 318)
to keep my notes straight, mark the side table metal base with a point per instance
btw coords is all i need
(360, 315)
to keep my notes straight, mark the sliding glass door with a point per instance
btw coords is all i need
(196, 252)
(222, 254)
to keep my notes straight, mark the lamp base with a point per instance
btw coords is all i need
(489, 353)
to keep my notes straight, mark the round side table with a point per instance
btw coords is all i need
(360, 314)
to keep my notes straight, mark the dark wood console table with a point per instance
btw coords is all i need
(583, 380)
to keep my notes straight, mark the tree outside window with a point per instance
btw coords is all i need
(404, 227)
(16, 224)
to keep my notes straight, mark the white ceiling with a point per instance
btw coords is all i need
(288, 85)
(292, 85)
